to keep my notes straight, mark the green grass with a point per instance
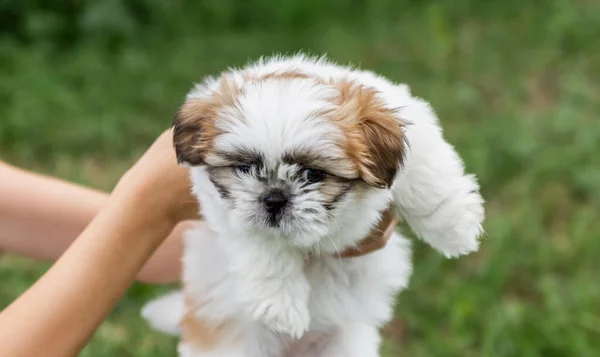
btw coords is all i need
(515, 83)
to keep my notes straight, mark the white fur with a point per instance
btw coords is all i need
(165, 313)
(257, 275)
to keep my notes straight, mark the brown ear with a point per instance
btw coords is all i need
(375, 134)
(194, 125)
(193, 131)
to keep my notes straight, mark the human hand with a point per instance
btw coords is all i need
(157, 186)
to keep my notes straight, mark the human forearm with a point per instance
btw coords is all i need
(79, 291)
(40, 216)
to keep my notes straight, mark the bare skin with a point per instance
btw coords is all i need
(58, 315)
(41, 216)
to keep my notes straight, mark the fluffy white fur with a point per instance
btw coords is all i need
(238, 269)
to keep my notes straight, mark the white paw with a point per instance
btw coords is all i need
(283, 315)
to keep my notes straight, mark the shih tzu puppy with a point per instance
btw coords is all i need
(302, 168)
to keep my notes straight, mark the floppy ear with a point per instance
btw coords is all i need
(432, 193)
(374, 132)
(194, 125)
(193, 130)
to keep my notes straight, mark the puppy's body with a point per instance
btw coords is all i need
(294, 160)
(349, 299)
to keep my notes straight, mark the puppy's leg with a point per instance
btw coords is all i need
(435, 196)
(356, 340)
(273, 287)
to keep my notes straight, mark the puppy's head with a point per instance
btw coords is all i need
(291, 155)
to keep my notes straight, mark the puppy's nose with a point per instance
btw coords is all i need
(275, 201)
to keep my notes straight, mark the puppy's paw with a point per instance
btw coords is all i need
(284, 316)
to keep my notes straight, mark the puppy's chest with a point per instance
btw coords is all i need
(338, 295)
(330, 272)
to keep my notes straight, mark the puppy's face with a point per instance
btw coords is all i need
(289, 154)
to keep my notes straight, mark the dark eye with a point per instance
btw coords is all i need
(313, 175)
(244, 169)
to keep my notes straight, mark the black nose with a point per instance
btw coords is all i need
(275, 201)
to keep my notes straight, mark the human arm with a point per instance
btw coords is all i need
(59, 313)
(40, 216)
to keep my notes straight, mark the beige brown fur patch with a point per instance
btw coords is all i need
(194, 126)
(375, 137)
(290, 74)
(204, 335)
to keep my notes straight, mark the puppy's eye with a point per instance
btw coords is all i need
(313, 175)
(244, 169)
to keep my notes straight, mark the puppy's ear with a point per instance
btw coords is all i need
(374, 133)
(437, 199)
(193, 130)
(195, 124)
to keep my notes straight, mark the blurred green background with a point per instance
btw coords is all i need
(85, 86)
